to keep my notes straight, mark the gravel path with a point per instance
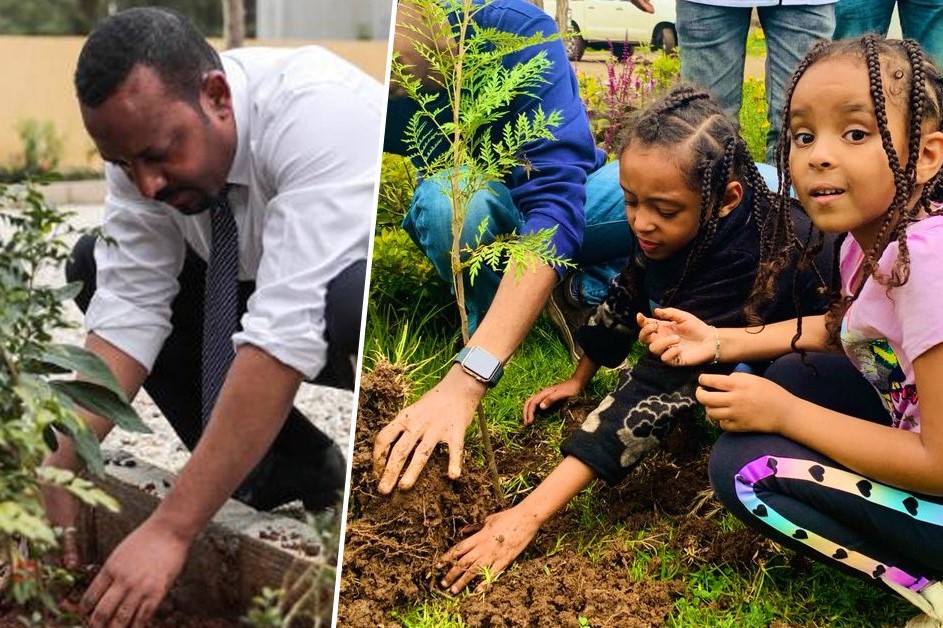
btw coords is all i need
(328, 408)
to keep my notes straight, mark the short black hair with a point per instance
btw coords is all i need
(155, 37)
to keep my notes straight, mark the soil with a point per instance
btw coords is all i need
(393, 543)
(165, 617)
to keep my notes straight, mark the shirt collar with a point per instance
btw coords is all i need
(235, 76)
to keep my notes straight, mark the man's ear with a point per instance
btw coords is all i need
(930, 159)
(216, 96)
(733, 194)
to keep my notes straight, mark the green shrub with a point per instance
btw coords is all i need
(36, 402)
(630, 83)
(401, 275)
(397, 186)
(40, 154)
(753, 123)
(666, 70)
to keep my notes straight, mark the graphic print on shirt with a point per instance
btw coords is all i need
(876, 360)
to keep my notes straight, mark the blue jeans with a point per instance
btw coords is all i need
(713, 47)
(919, 19)
(607, 241)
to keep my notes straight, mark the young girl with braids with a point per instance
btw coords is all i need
(696, 205)
(841, 457)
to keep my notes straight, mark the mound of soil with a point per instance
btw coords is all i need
(393, 542)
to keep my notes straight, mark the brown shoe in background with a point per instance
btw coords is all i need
(568, 315)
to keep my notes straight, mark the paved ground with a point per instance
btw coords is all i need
(330, 409)
(594, 64)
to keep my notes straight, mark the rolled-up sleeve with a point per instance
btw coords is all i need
(138, 262)
(321, 147)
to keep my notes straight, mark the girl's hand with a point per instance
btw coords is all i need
(489, 551)
(549, 396)
(680, 338)
(741, 402)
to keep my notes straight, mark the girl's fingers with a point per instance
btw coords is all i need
(660, 346)
(710, 399)
(671, 314)
(718, 382)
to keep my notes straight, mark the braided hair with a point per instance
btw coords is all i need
(711, 153)
(917, 87)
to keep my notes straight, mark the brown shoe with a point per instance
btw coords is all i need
(568, 315)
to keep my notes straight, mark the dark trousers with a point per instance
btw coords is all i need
(175, 380)
(810, 503)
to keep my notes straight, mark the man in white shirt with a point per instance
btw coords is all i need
(281, 147)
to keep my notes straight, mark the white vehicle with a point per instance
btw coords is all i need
(597, 23)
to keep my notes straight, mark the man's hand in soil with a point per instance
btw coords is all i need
(491, 549)
(440, 416)
(135, 579)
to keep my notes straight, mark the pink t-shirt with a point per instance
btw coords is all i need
(884, 331)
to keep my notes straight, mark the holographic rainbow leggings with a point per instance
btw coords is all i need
(812, 504)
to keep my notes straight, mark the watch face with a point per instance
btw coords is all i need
(481, 363)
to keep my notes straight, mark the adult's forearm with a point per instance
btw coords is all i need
(130, 375)
(252, 407)
(516, 306)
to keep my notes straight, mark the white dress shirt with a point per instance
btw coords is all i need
(305, 171)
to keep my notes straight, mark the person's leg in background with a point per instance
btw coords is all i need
(854, 18)
(713, 43)
(790, 32)
(923, 20)
(315, 470)
(607, 240)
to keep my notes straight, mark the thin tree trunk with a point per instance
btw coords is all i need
(562, 17)
(234, 23)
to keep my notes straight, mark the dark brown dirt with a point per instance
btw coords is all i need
(165, 620)
(394, 542)
(165, 617)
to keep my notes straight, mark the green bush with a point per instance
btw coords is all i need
(753, 123)
(401, 274)
(397, 185)
(40, 154)
(36, 402)
(630, 83)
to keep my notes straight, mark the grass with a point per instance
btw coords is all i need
(787, 591)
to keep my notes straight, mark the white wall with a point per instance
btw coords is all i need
(323, 19)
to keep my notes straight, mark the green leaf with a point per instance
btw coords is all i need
(89, 366)
(68, 291)
(15, 519)
(103, 402)
(87, 446)
(78, 486)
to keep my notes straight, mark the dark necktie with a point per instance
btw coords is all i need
(220, 302)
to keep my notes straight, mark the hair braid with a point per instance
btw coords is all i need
(713, 154)
(923, 105)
